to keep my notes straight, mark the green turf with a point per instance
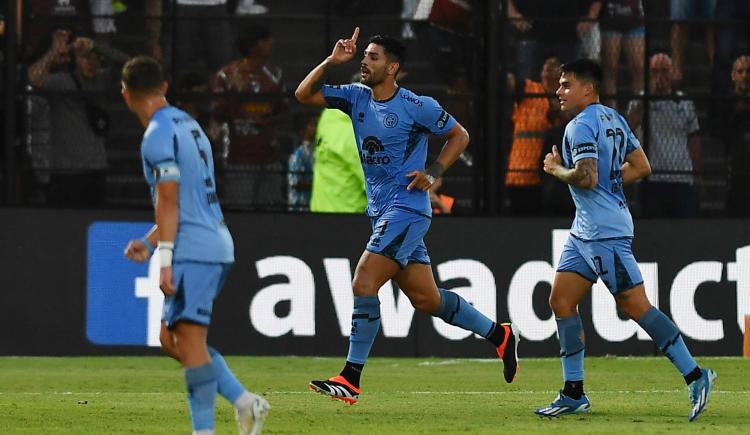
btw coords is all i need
(401, 396)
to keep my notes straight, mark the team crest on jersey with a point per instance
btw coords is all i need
(390, 120)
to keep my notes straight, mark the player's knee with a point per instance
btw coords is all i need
(561, 305)
(425, 303)
(634, 307)
(362, 287)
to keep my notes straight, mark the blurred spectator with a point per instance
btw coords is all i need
(736, 135)
(338, 180)
(300, 167)
(190, 86)
(623, 29)
(203, 34)
(729, 37)
(532, 117)
(680, 11)
(441, 204)
(673, 145)
(77, 124)
(450, 29)
(546, 26)
(251, 110)
(47, 16)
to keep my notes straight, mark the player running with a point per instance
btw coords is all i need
(195, 247)
(599, 155)
(391, 125)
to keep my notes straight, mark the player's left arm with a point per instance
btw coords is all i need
(167, 215)
(456, 142)
(636, 166)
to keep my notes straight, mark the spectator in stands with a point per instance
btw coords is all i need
(623, 29)
(679, 12)
(338, 180)
(450, 27)
(255, 174)
(736, 136)
(532, 116)
(673, 145)
(300, 167)
(728, 39)
(545, 26)
(77, 125)
(190, 84)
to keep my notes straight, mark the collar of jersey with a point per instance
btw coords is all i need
(398, 88)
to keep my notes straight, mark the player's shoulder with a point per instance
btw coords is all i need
(415, 104)
(163, 124)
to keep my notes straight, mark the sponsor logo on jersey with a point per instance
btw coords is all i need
(372, 152)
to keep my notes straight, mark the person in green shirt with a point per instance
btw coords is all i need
(338, 181)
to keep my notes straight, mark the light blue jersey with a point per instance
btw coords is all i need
(391, 138)
(175, 148)
(601, 133)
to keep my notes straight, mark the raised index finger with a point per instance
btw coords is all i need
(355, 35)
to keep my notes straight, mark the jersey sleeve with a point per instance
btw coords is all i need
(432, 116)
(340, 97)
(583, 141)
(160, 153)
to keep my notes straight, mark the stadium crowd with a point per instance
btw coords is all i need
(678, 70)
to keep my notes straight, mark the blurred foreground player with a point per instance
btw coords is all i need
(391, 125)
(599, 155)
(196, 250)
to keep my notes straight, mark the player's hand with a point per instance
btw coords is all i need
(166, 281)
(137, 251)
(584, 26)
(60, 48)
(420, 181)
(345, 49)
(83, 44)
(552, 161)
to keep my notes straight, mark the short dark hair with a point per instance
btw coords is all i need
(249, 36)
(585, 70)
(394, 49)
(142, 74)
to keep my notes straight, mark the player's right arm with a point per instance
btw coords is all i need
(585, 170)
(310, 88)
(140, 250)
(584, 174)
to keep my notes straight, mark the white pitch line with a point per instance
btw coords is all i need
(468, 393)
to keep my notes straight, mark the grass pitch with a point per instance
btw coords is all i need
(145, 395)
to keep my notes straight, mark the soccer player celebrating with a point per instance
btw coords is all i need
(391, 126)
(194, 245)
(599, 154)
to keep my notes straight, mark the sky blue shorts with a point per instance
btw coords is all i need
(611, 260)
(197, 284)
(399, 235)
